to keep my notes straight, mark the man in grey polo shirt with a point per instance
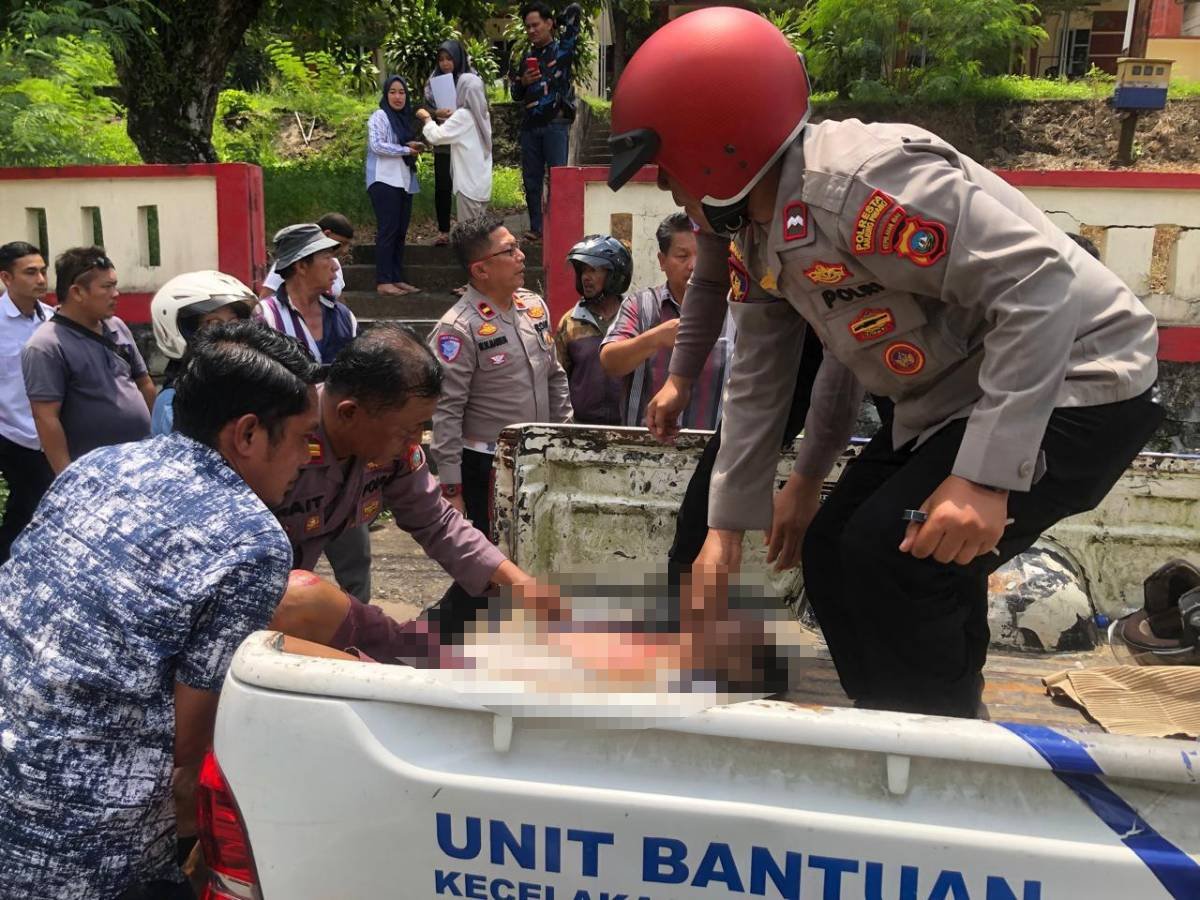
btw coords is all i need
(87, 383)
(22, 312)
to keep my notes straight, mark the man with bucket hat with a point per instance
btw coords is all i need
(1020, 367)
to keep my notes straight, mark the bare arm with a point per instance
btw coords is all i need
(50, 432)
(195, 713)
(619, 358)
(145, 384)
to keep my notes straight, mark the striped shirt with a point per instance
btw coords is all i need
(639, 313)
(339, 324)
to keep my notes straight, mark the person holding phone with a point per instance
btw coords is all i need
(542, 84)
(392, 148)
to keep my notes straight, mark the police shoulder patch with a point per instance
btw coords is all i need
(921, 241)
(449, 346)
(416, 457)
(870, 214)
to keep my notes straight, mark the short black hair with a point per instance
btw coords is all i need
(239, 368)
(538, 7)
(337, 223)
(76, 262)
(1085, 243)
(672, 225)
(15, 250)
(472, 237)
(383, 367)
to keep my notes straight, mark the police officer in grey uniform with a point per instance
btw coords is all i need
(1021, 368)
(500, 367)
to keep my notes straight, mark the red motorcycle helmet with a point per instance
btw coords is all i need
(714, 97)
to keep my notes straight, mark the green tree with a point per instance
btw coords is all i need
(905, 44)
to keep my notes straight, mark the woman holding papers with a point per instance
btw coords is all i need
(468, 133)
(439, 97)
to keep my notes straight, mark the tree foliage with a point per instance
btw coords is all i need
(911, 45)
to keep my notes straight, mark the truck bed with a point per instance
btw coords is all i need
(1013, 692)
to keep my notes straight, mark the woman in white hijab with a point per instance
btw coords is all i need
(468, 131)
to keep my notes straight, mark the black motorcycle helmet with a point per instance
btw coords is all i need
(603, 251)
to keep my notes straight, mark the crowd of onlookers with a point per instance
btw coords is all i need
(459, 134)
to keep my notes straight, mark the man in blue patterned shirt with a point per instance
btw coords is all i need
(143, 569)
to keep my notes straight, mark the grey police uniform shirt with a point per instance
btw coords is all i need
(929, 280)
(500, 370)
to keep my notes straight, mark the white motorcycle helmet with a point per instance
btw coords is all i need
(178, 305)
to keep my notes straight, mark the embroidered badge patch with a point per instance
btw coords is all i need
(872, 323)
(535, 312)
(312, 523)
(739, 279)
(486, 329)
(316, 452)
(826, 273)
(795, 221)
(498, 359)
(904, 358)
(768, 282)
(869, 218)
(890, 229)
(370, 509)
(485, 310)
(416, 457)
(922, 242)
(449, 346)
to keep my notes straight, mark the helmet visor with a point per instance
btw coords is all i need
(630, 151)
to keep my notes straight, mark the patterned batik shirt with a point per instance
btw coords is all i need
(145, 564)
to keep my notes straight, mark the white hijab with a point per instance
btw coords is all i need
(470, 94)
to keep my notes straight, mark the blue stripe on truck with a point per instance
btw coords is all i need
(1070, 761)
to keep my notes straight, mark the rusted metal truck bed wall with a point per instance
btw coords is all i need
(572, 497)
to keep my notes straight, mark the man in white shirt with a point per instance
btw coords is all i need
(22, 463)
(335, 226)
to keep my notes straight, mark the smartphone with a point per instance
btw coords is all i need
(532, 66)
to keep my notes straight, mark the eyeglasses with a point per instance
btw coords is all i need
(509, 251)
(100, 262)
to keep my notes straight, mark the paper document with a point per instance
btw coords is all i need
(443, 89)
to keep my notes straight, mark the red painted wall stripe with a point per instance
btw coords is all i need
(1162, 181)
(1179, 344)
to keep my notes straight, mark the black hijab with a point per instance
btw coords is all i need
(403, 128)
(457, 53)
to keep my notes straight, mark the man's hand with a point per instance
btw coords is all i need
(704, 597)
(965, 521)
(530, 76)
(442, 114)
(423, 115)
(415, 146)
(665, 333)
(569, 16)
(662, 413)
(796, 504)
(533, 595)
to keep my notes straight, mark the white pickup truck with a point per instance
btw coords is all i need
(345, 780)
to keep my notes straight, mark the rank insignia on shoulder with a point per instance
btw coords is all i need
(487, 329)
(826, 273)
(921, 242)
(535, 312)
(316, 452)
(519, 304)
(449, 346)
(904, 358)
(869, 217)
(485, 310)
(795, 221)
(872, 323)
(416, 457)
(312, 523)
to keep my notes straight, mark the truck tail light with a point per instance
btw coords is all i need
(223, 838)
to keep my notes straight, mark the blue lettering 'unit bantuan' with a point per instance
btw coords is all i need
(606, 859)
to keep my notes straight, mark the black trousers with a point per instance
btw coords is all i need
(458, 607)
(28, 476)
(691, 523)
(911, 634)
(443, 190)
(393, 209)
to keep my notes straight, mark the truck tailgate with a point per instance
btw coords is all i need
(357, 780)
